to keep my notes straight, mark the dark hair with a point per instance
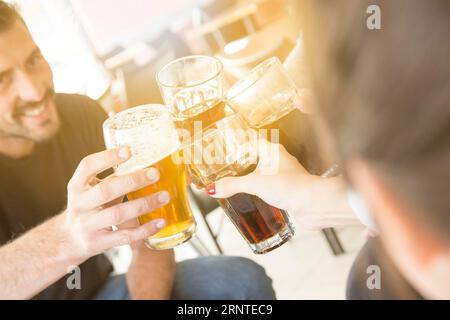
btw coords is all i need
(8, 16)
(385, 94)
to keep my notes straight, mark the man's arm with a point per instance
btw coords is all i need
(42, 255)
(152, 272)
(34, 261)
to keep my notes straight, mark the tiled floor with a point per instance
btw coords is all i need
(303, 268)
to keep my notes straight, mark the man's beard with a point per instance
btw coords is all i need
(19, 131)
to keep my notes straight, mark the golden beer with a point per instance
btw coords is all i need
(152, 137)
(180, 224)
(202, 115)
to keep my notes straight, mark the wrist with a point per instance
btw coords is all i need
(326, 204)
(306, 189)
(69, 247)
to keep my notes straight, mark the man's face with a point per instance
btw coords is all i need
(27, 107)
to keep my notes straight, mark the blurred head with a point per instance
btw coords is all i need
(27, 108)
(385, 98)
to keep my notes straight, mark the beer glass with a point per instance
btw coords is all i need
(230, 148)
(193, 89)
(151, 135)
(265, 95)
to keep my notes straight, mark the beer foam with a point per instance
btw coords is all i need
(148, 131)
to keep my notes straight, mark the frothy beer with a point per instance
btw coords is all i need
(152, 137)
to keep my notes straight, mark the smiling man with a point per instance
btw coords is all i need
(55, 213)
(26, 87)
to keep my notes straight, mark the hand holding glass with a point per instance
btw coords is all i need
(229, 148)
(151, 135)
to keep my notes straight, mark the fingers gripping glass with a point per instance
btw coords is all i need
(151, 135)
(229, 148)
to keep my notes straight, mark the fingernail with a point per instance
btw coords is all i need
(152, 174)
(163, 197)
(211, 189)
(124, 153)
(160, 224)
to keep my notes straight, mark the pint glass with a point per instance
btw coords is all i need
(193, 89)
(151, 135)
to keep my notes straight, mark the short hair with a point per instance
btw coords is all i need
(8, 16)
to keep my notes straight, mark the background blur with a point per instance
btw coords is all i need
(111, 50)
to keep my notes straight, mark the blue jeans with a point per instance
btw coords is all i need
(211, 277)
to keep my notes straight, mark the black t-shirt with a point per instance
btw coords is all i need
(34, 188)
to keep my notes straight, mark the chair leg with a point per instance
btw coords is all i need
(333, 240)
(198, 245)
(195, 201)
(213, 236)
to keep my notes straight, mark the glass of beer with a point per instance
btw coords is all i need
(193, 89)
(152, 137)
(265, 95)
(230, 148)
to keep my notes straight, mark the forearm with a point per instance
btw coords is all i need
(325, 205)
(34, 261)
(151, 274)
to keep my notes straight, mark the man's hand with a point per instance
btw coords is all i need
(94, 206)
(43, 254)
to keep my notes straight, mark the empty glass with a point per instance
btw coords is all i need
(265, 95)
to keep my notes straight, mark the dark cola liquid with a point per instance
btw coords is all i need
(256, 220)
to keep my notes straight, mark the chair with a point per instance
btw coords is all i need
(218, 23)
(242, 55)
(206, 205)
